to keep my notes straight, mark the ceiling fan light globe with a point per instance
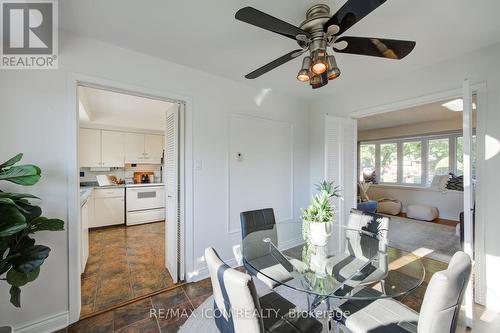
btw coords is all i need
(303, 75)
(319, 68)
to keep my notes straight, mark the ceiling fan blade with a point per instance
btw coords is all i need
(351, 13)
(275, 63)
(376, 47)
(262, 20)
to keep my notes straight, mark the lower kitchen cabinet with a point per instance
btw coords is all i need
(109, 207)
(85, 216)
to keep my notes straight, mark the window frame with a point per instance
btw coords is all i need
(424, 139)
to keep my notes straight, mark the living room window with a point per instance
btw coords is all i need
(412, 161)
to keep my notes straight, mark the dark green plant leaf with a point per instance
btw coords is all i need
(26, 242)
(23, 174)
(17, 196)
(30, 258)
(19, 279)
(4, 266)
(43, 223)
(11, 221)
(15, 296)
(30, 212)
(12, 161)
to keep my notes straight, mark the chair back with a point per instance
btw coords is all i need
(257, 225)
(444, 295)
(236, 304)
(359, 243)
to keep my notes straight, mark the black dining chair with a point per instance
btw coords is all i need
(258, 229)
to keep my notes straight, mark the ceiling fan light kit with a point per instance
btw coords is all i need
(321, 31)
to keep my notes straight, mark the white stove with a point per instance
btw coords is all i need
(145, 203)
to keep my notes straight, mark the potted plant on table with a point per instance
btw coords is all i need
(317, 221)
(20, 256)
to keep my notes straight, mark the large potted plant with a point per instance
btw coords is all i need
(20, 256)
(319, 216)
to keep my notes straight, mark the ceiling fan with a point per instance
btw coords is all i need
(321, 30)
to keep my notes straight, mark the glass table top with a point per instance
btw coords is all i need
(354, 263)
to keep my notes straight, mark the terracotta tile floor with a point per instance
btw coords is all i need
(136, 317)
(124, 263)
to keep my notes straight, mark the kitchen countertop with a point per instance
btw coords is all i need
(86, 189)
(84, 195)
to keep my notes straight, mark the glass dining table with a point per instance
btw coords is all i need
(355, 264)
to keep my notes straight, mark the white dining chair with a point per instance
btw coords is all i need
(439, 312)
(238, 308)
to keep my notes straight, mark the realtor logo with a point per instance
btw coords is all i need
(28, 34)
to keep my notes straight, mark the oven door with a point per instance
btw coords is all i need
(144, 198)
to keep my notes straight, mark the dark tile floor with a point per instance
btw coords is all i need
(124, 263)
(140, 316)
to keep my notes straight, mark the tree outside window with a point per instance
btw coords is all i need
(412, 162)
(366, 160)
(438, 158)
(389, 162)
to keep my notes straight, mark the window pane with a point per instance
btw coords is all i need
(389, 163)
(439, 163)
(412, 162)
(367, 161)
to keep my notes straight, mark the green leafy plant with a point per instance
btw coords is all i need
(20, 256)
(321, 209)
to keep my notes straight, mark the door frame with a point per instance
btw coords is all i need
(73, 182)
(480, 89)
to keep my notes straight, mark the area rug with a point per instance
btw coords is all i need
(201, 319)
(424, 239)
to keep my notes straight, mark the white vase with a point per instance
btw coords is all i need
(320, 232)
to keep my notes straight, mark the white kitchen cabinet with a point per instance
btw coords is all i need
(85, 214)
(143, 148)
(89, 147)
(109, 207)
(112, 149)
(134, 148)
(153, 148)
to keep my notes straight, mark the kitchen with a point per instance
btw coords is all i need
(122, 196)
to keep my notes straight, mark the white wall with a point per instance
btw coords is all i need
(449, 203)
(479, 66)
(35, 119)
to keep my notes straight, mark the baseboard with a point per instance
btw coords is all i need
(46, 325)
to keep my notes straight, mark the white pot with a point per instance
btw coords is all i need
(320, 232)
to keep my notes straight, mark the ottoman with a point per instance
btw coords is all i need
(390, 207)
(422, 212)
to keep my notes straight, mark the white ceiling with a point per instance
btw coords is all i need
(108, 109)
(415, 115)
(204, 35)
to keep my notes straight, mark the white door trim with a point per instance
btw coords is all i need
(75, 79)
(481, 90)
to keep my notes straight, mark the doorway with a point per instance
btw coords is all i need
(131, 246)
(473, 187)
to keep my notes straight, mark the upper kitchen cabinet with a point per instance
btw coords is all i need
(99, 148)
(89, 147)
(153, 148)
(112, 149)
(143, 148)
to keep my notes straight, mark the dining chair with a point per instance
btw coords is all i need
(439, 312)
(257, 226)
(238, 308)
(366, 239)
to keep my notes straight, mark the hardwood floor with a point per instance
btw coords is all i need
(437, 221)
